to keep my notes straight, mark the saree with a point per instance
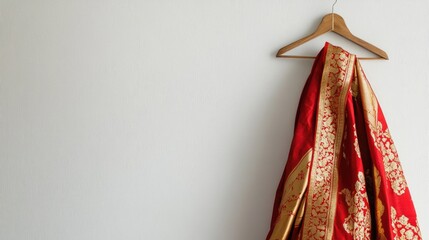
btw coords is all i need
(343, 178)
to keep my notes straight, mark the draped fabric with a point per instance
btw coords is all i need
(343, 178)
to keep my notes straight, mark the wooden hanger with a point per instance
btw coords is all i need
(335, 23)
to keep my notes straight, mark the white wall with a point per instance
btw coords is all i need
(127, 119)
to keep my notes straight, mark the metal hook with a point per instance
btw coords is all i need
(332, 14)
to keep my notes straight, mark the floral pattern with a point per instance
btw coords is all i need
(358, 222)
(392, 166)
(402, 229)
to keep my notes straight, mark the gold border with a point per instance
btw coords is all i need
(321, 200)
(338, 140)
(369, 101)
(292, 199)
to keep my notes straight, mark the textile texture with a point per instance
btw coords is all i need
(343, 178)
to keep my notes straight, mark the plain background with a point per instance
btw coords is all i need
(127, 119)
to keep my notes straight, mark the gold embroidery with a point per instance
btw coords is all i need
(379, 207)
(321, 202)
(382, 138)
(356, 144)
(369, 101)
(358, 222)
(294, 189)
(392, 166)
(402, 229)
(391, 163)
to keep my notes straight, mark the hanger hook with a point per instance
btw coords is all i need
(332, 15)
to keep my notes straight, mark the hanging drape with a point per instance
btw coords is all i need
(343, 178)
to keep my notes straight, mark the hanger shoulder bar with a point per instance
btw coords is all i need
(341, 29)
(313, 57)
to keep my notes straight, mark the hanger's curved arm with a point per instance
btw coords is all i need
(341, 29)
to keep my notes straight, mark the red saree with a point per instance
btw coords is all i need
(343, 178)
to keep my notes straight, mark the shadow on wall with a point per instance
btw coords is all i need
(265, 157)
